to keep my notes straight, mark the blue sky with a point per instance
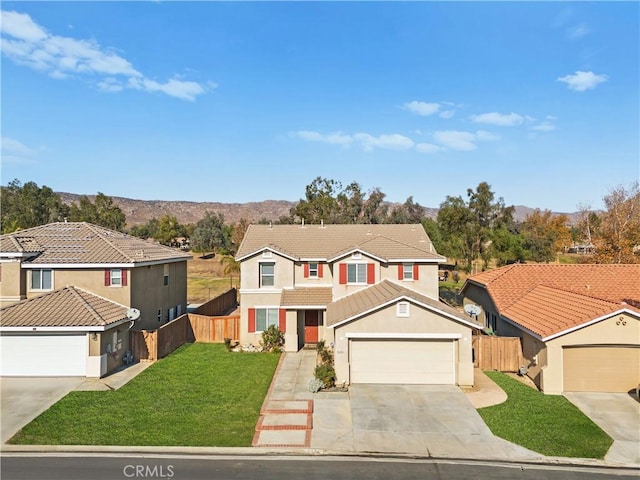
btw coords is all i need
(239, 102)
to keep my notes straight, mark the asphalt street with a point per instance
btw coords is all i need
(184, 467)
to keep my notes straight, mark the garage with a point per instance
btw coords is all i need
(403, 361)
(43, 355)
(611, 368)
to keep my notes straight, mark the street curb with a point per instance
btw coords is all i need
(298, 452)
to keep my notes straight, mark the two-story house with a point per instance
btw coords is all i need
(65, 288)
(369, 291)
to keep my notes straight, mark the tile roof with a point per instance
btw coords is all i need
(377, 295)
(67, 307)
(84, 243)
(311, 296)
(549, 299)
(388, 242)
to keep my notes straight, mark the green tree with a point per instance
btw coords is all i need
(102, 211)
(320, 202)
(431, 227)
(168, 229)
(506, 246)
(545, 235)
(239, 230)
(231, 267)
(209, 234)
(408, 212)
(146, 230)
(26, 206)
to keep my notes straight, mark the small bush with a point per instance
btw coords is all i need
(315, 385)
(227, 344)
(326, 356)
(272, 339)
(320, 346)
(326, 374)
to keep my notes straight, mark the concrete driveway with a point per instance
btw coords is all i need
(434, 420)
(23, 399)
(618, 414)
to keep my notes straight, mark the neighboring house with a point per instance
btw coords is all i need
(579, 324)
(122, 269)
(67, 332)
(370, 291)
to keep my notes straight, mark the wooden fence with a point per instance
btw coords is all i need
(152, 345)
(221, 305)
(497, 353)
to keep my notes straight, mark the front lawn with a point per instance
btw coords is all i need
(548, 424)
(200, 395)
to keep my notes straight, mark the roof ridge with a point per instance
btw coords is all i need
(85, 304)
(106, 240)
(560, 289)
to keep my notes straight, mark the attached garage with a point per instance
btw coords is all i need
(44, 355)
(609, 368)
(403, 361)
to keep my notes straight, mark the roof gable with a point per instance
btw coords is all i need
(71, 243)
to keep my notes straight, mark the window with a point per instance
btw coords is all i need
(265, 317)
(165, 278)
(407, 271)
(115, 277)
(357, 273)
(313, 269)
(267, 274)
(172, 313)
(41, 280)
(402, 309)
(159, 314)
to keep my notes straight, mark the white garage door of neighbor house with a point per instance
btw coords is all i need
(409, 361)
(43, 355)
(601, 369)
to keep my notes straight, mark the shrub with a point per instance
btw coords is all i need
(326, 356)
(320, 346)
(315, 385)
(326, 374)
(227, 344)
(272, 339)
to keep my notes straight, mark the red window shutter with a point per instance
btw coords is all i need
(252, 320)
(416, 268)
(107, 277)
(306, 270)
(371, 273)
(400, 272)
(124, 277)
(343, 273)
(282, 320)
(319, 270)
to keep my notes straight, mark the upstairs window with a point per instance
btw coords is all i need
(165, 277)
(357, 273)
(115, 277)
(313, 269)
(407, 271)
(267, 274)
(41, 279)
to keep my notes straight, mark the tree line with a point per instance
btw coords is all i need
(474, 230)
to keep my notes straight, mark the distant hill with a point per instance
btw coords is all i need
(141, 211)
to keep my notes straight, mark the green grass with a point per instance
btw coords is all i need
(548, 424)
(200, 395)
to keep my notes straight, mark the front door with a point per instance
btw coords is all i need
(311, 326)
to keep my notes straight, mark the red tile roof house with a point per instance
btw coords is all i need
(370, 291)
(65, 289)
(579, 324)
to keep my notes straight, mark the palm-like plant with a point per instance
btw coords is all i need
(231, 266)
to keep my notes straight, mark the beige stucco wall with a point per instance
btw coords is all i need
(427, 282)
(13, 283)
(326, 280)
(149, 294)
(621, 329)
(91, 280)
(262, 300)
(473, 294)
(420, 321)
(250, 272)
(347, 289)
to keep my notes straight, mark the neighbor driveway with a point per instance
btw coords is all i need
(434, 420)
(618, 414)
(24, 398)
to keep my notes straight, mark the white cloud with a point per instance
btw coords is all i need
(427, 148)
(28, 44)
(336, 138)
(422, 108)
(14, 151)
(581, 81)
(485, 136)
(447, 113)
(501, 119)
(387, 142)
(544, 127)
(578, 31)
(456, 139)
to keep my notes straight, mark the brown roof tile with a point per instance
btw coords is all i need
(312, 296)
(67, 307)
(389, 242)
(377, 295)
(84, 243)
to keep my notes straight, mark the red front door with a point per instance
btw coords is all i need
(311, 326)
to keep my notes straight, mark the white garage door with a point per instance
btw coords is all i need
(402, 361)
(44, 355)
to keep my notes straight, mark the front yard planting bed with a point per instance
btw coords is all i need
(548, 424)
(200, 395)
